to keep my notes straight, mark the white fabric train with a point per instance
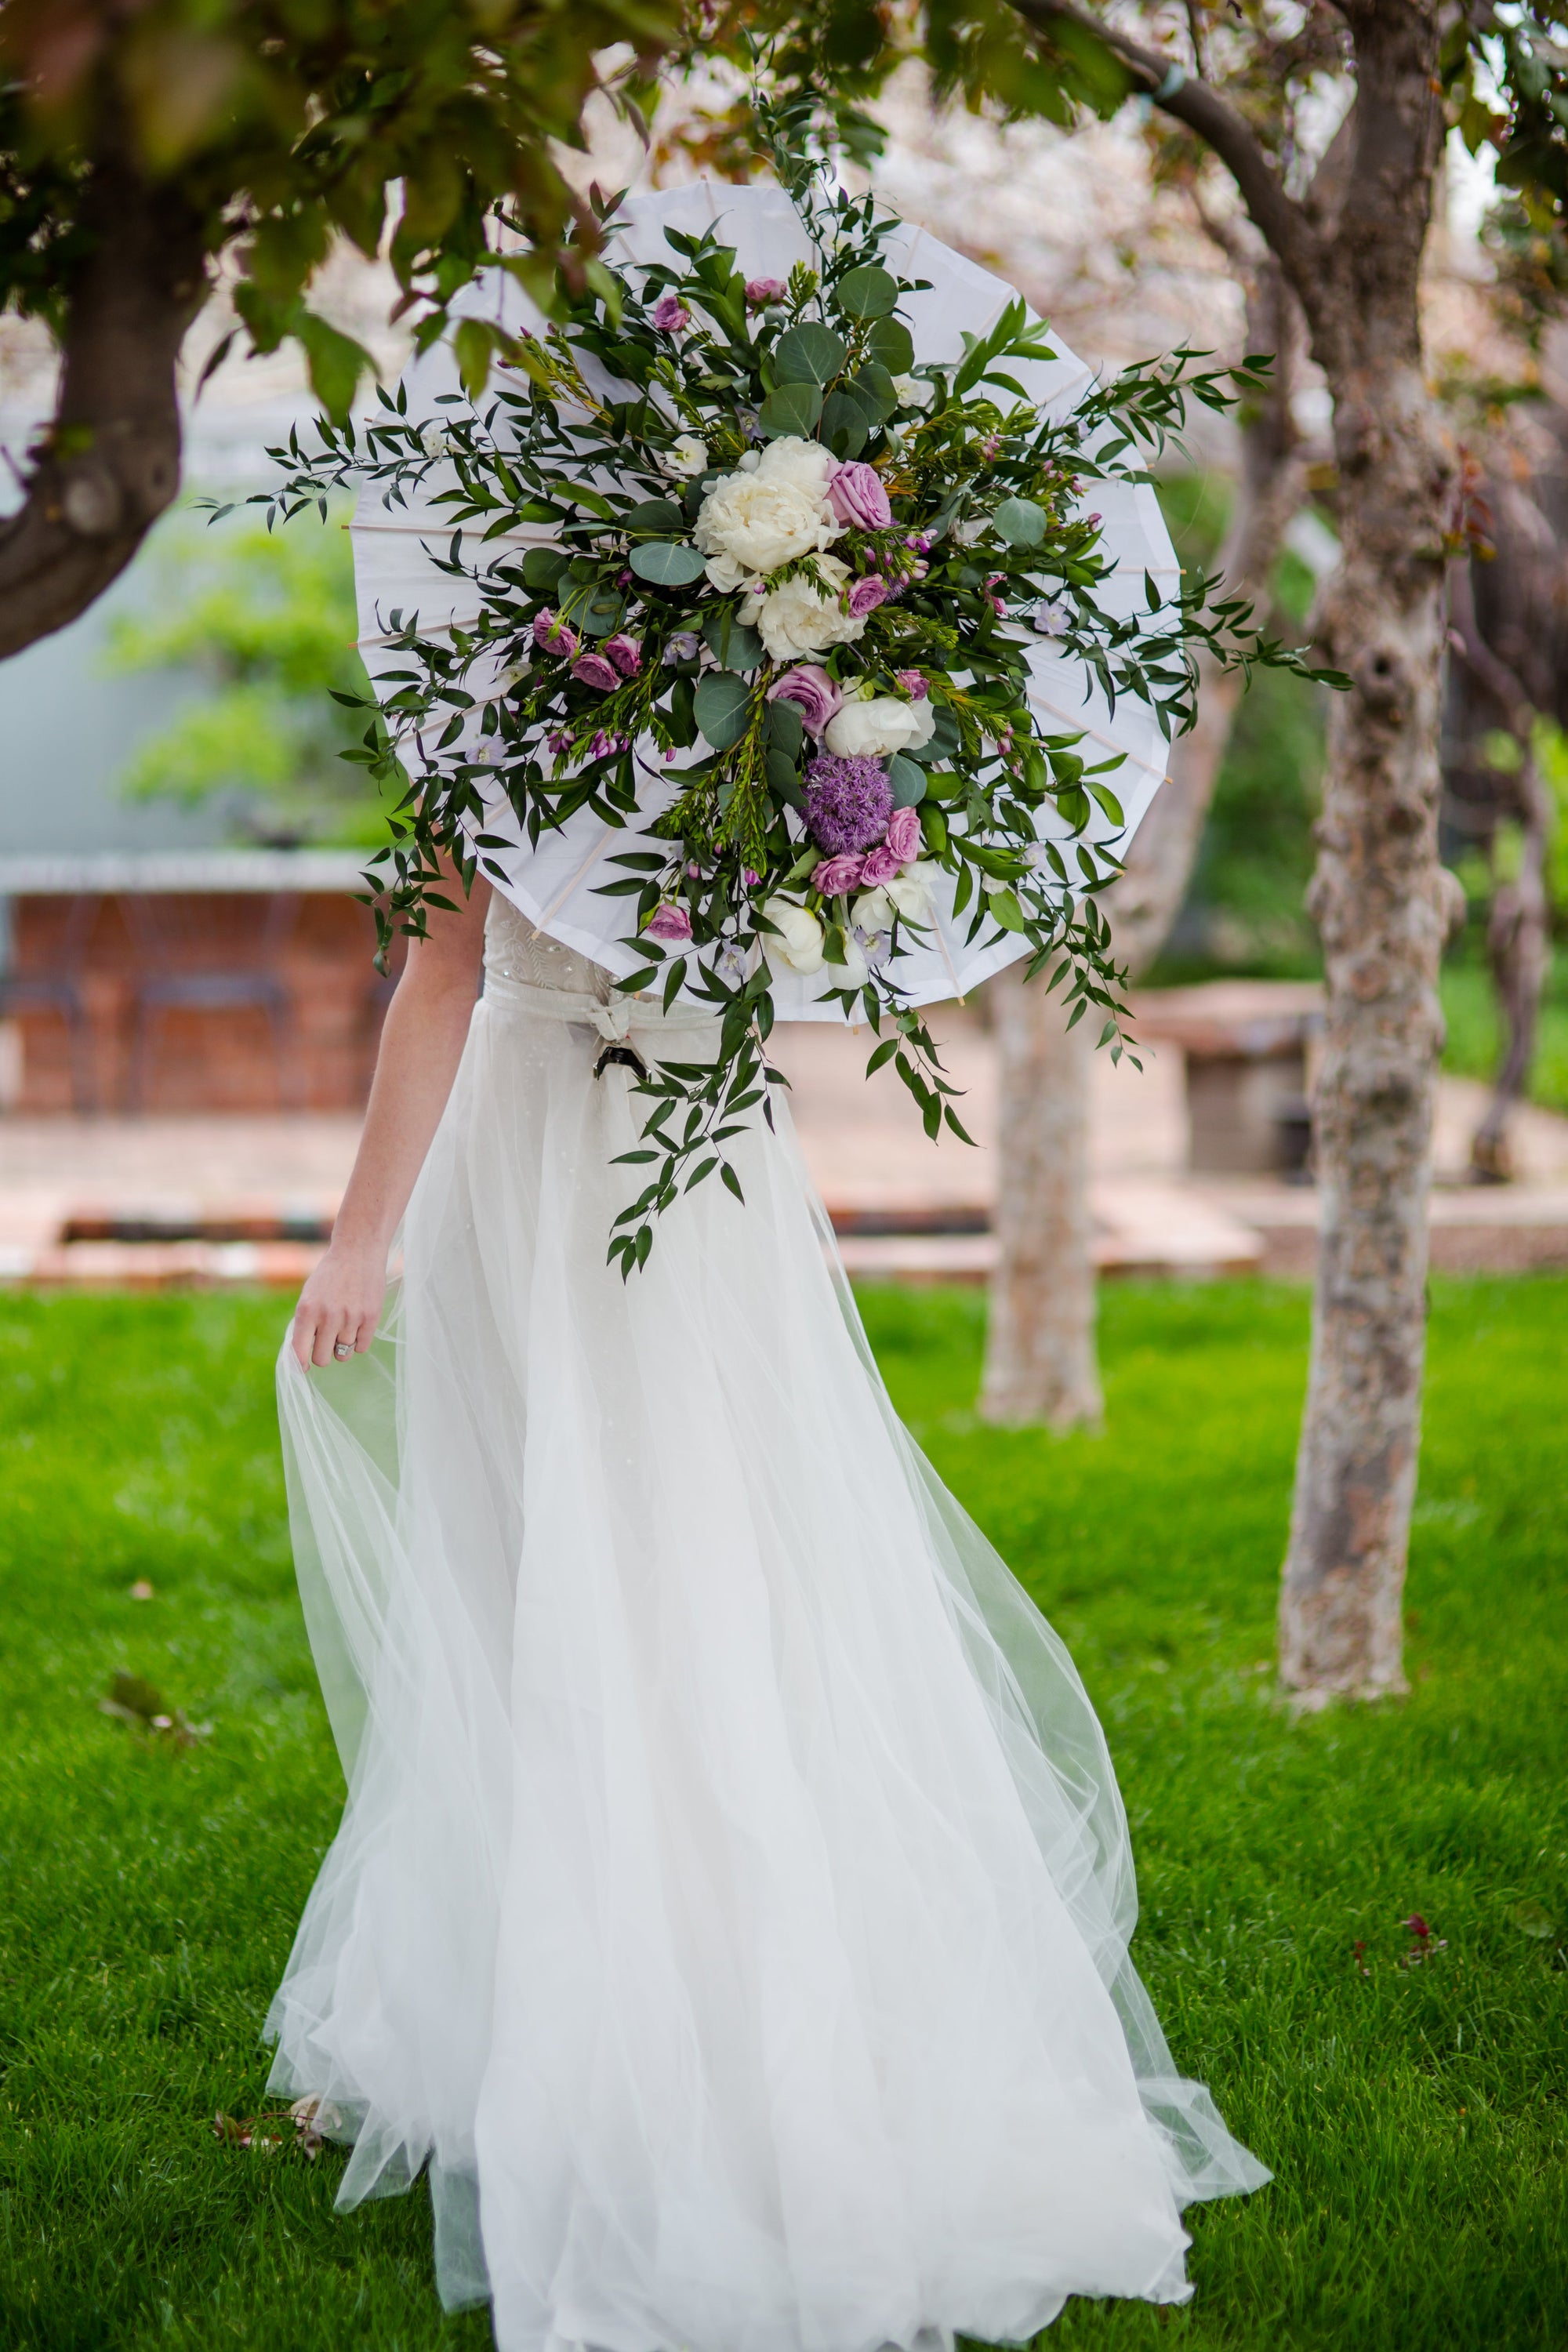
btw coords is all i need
(732, 1901)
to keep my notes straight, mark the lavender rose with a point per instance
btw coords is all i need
(847, 803)
(857, 496)
(670, 314)
(551, 635)
(904, 834)
(812, 691)
(593, 669)
(880, 865)
(625, 652)
(865, 595)
(838, 873)
(912, 683)
(668, 922)
(760, 291)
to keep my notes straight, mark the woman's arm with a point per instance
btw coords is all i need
(421, 1045)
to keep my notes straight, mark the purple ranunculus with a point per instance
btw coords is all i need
(551, 635)
(760, 291)
(880, 867)
(670, 314)
(812, 691)
(903, 840)
(625, 652)
(848, 803)
(866, 593)
(836, 873)
(857, 496)
(593, 669)
(668, 922)
(912, 683)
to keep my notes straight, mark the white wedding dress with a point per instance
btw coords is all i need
(732, 1901)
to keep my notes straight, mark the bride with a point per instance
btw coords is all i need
(732, 1901)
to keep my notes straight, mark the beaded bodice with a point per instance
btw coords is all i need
(516, 951)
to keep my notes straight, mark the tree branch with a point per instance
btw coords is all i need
(110, 463)
(1284, 223)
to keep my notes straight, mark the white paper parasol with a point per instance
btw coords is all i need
(554, 884)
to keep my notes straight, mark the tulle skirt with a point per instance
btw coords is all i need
(733, 1900)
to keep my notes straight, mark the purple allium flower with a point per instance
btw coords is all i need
(847, 803)
(670, 314)
(551, 635)
(668, 922)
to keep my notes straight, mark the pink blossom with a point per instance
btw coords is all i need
(855, 495)
(881, 863)
(866, 593)
(625, 652)
(812, 691)
(912, 683)
(593, 669)
(551, 635)
(903, 841)
(668, 922)
(749, 876)
(760, 291)
(836, 873)
(669, 315)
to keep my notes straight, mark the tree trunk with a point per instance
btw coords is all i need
(1520, 950)
(1040, 1362)
(1379, 893)
(111, 462)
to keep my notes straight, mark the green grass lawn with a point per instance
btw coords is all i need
(1414, 2116)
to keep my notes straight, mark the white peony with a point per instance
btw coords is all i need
(870, 730)
(753, 522)
(913, 391)
(798, 622)
(853, 971)
(911, 891)
(801, 944)
(686, 456)
(873, 911)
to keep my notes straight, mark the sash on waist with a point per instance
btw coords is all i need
(614, 1022)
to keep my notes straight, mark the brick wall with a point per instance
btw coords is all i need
(203, 1060)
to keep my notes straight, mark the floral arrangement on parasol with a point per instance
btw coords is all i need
(756, 584)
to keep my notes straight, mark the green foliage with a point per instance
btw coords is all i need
(281, 125)
(1413, 2117)
(268, 623)
(1473, 1043)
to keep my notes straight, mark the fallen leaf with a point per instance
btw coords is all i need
(141, 1590)
(1532, 1920)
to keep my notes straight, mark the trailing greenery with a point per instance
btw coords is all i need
(1416, 2116)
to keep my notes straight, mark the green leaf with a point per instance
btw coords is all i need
(872, 386)
(791, 410)
(732, 644)
(908, 782)
(890, 343)
(655, 514)
(335, 362)
(784, 779)
(1006, 910)
(809, 354)
(869, 292)
(786, 726)
(664, 564)
(542, 567)
(722, 704)
(1020, 522)
(844, 425)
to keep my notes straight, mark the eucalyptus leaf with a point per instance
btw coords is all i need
(791, 410)
(602, 615)
(890, 344)
(873, 387)
(542, 567)
(869, 292)
(908, 782)
(1021, 523)
(845, 426)
(721, 705)
(655, 514)
(786, 729)
(942, 744)
(731, 643)
(784, 778)
(809, 354)
(666, 565)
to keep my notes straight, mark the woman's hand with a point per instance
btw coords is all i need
(339, 1307)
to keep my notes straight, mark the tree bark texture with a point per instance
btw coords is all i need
(1040, 1358)
(1379, 895)
(110, 464)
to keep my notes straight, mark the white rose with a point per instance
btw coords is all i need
(798, 622)
(750, 524)
(924, 717)
(869, 730)
(686, 456)
(873, 911)
(801, 944)
(804, 465)
(913, 391)
(911, 891)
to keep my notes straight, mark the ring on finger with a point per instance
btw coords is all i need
(343, 1349)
